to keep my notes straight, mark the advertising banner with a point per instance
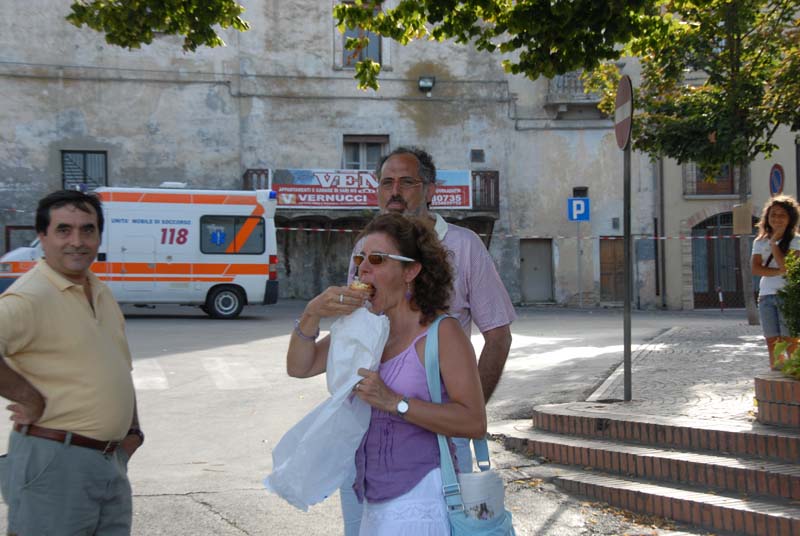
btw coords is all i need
(358, 189)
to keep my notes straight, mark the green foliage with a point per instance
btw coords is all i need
(791, 366)
(130, 24)
(790, 310)
(604, 80)
(790, 294)
(536, 37)
(718, 78)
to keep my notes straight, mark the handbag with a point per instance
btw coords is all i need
(475, 502)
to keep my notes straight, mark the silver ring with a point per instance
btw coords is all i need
(341, 298)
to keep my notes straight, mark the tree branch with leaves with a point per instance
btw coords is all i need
(535, 37)
(132, 24)
(719, 78)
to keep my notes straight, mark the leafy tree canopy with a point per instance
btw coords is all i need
(537, 37)
(129, 24)
(718, 78)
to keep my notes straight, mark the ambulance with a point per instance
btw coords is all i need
(212, 248)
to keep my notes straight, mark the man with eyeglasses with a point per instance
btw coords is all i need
(406, 184)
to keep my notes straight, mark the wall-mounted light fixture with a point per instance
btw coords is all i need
(426, 84)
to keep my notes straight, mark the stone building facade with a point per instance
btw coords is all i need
(282, 96)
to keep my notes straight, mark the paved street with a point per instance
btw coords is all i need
(214, 400)
(722, 374)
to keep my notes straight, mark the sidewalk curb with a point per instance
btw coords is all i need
(602, 392)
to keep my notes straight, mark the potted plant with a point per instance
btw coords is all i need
(790, 309)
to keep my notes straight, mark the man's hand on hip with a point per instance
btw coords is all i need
(27, 412)
(131, 443)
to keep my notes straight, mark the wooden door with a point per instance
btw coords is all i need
(612, 269)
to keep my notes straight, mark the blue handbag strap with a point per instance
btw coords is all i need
(450, 486)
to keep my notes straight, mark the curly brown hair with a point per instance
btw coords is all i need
(415, 238)
(790, 206)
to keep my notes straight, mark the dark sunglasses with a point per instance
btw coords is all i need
(377, 258)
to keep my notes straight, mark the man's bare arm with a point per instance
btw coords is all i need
(497, 343)
(132, 442)
(28, 403)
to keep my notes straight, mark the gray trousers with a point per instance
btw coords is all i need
(56, 489)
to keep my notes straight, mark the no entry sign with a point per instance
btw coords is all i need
(623, 115)
(776, 176)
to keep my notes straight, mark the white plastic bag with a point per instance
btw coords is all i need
(316, 456)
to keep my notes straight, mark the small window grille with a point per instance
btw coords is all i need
(84, 170)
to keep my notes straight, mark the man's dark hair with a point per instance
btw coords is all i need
(427, 169)
(62, 198)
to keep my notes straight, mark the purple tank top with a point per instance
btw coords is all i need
(394, 454)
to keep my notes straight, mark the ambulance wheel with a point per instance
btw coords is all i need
(224, 302)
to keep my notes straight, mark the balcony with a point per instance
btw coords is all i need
(695, 182)
(567, 99)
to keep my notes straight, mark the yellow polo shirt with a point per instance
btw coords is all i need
(78, 358)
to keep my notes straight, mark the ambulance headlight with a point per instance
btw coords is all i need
(5, 267)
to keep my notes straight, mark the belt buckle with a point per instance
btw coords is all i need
(110, 447)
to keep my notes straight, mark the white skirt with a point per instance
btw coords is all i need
(420, 512)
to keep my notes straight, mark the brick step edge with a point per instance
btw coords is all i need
(723, 473)
(777, 388)
(779, 414)
(714, 512)
(778, 400)
(739, 439)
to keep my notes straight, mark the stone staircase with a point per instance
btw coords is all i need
(725, 476)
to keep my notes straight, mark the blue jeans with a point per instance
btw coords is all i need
(769, 312)
(352, 509)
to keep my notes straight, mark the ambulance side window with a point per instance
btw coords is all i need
(243, 235)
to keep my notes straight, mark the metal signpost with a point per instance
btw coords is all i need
(578, 211)
(623, 120)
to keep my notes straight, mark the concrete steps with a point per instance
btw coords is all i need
(722, 473)
(732, 437)
(722, 513)
(724, 476)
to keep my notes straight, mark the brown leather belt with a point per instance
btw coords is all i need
(106, 447)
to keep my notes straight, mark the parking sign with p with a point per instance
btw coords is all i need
(578, 208)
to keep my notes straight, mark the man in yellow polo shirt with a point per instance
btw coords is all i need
(66, 367)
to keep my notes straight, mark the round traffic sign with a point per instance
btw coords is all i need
(623, 115)
(776, 176)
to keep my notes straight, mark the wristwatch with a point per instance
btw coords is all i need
(137, 432)
(402, 407)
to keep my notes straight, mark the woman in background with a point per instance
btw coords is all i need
(776, 239)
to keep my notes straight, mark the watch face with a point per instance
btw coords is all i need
(402, 407)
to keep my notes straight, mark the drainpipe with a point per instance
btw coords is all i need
(662, 243)
(797, 165)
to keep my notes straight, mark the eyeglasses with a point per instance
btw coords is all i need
(377, 258)
(405, 183)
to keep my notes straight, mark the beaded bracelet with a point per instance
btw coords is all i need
(303, 335)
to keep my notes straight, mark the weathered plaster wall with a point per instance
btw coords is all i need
(548, 163)
(277, 96)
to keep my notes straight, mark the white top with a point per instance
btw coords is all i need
(770, 284)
